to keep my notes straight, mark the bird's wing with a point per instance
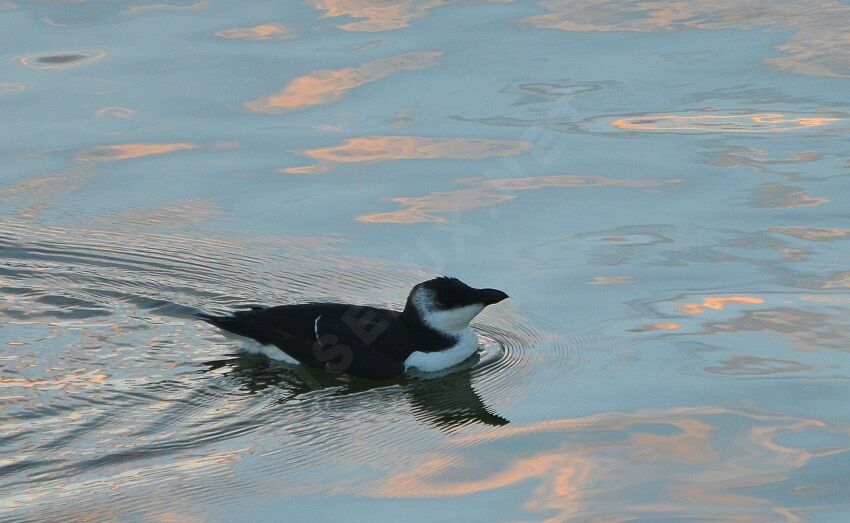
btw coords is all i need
(363, 343)
(359, 340)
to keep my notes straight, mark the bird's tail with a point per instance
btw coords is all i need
(229, 322)
(243, 323)
(239, 323)
(209, 318)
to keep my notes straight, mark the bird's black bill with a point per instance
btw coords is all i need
(489, 296)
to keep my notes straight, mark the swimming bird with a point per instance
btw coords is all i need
(432, 333)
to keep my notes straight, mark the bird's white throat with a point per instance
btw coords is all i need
(447, 321)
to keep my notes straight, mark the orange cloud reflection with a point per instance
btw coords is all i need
(117, 112)
(779, 195)
(819, 41)
(813, 234)
(411, 484)
(77, 378)
(759, 159)
(380, 15)
(8, 87)
(138, 9)
(34, 194)
(717, 304)
(382, 148)
(664, 326)
(327, 86)
(489, 192)
(258, 32)
(804, 327)
(585, 468)
(429, 208)
(720, 123)
(837, 281)
(757, 366)
(129, 151)
(567, 181)
(377, 15)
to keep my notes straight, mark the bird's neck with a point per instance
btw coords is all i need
(421, 329)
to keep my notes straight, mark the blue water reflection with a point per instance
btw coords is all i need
(659, 186)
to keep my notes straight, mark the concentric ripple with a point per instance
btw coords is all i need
(106, 372)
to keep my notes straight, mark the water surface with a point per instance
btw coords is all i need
(660, 187)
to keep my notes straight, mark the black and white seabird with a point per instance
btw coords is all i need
(431, 333)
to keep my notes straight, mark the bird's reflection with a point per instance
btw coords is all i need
(447, 402)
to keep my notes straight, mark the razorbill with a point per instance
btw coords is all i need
(431, 333)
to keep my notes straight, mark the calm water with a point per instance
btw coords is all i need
(661, 187)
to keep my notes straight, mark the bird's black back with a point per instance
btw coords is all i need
(361, 340)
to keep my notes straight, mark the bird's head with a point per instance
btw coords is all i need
(447, 305)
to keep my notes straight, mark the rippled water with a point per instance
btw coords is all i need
(660, 187)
